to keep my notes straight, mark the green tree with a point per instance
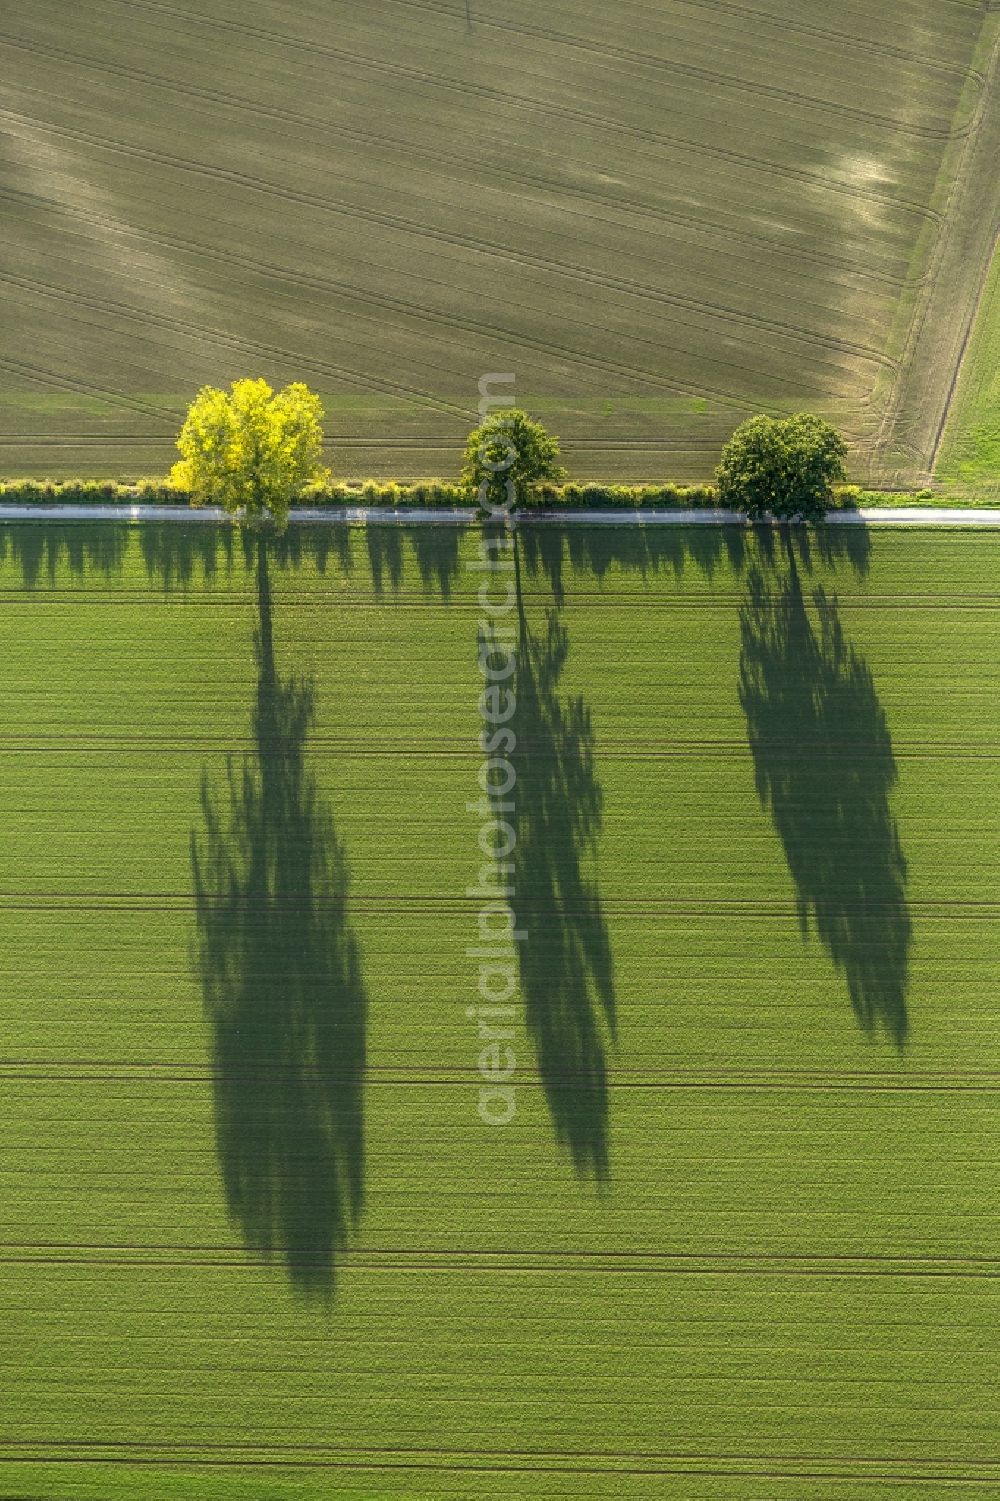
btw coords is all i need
(505, 456)
(784, 467)
(251, 450)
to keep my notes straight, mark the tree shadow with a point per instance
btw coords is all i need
(41, 549)
(824, 767)
(675, 549)
(834, 546)
(281, 978)
(384, 545)
(567, 974)
(594, 551)
(434, 549)
(178, 555)
(183, 554)
(317, 544)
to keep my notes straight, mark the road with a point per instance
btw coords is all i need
(377, 515)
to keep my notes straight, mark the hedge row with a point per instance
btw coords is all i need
(440, 493)
(150, 491)
(393, 494)
(90, 492)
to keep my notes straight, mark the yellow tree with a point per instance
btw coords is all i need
(251, 449)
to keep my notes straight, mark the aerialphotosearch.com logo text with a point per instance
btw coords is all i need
(496, 951)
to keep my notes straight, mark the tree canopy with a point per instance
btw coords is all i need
(784, 467)
(506, 455)
(251, 450)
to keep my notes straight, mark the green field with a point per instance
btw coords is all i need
(658, 217)
(740, 1241)
(970, 454)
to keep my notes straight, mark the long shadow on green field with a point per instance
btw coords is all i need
(177, 556)
(435, 551)
(822, 751)
(567, 973)
(281, 976)
(41, 550)
(180, 555)
(197, 554)
(594, 553)
(824, 767)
